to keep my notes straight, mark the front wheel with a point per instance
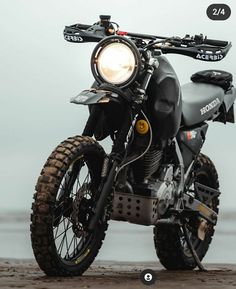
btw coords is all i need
(66, 192)
(170, 243)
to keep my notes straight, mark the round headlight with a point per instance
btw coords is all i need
(115, 60)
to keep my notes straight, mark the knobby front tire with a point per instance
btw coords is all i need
(65, 194)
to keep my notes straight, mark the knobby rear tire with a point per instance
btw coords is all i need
(167, 239)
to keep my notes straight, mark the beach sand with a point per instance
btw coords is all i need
(112, 275)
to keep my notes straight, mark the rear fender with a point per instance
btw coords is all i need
(229, 99)
(227, 107)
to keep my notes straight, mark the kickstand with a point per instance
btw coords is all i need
(194, 253)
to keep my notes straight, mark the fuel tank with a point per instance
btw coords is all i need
(164, 101)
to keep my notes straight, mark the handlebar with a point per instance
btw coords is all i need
(90, 33)
(197, 47)
(197, 40)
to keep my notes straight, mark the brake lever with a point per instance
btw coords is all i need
(191, 41)
(188, 40)
(175, 41)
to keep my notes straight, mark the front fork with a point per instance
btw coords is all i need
(102, 201)
(110, 169)
(119, 148)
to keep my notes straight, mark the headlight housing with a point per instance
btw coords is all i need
(115, 60)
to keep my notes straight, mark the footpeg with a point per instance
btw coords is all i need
(171, 221)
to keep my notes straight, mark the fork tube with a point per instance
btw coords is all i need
(102, 201)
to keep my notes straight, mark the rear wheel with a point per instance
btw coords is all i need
(66, 192)
(170, 244)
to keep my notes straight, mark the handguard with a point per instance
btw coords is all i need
(203, 52)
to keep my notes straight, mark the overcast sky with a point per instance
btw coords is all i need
(40, 72)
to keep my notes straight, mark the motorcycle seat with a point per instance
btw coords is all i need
(200, 101)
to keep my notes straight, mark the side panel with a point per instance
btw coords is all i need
(200, 102)
(164, 101)
(190, 141)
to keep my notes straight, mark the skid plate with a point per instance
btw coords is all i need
(135, 208)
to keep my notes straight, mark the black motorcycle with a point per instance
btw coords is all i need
(155, 173)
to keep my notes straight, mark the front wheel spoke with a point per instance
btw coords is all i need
(81, 242)
(56, 232)
(76, 241)
(61, 246)
(65, 183)
(85, 179)
(69, 235)
(75, 245)
(58, 226)
(71, 242)
(77, 185)
(63, 232)
(62, 213)
(66, 229)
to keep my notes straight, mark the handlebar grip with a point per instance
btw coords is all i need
(215, 42)
(83, 26)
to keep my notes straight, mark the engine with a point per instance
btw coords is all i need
(147, 165)
(144, 203)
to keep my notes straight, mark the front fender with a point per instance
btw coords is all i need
(94, 96)
(103, 119)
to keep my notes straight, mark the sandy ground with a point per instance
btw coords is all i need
(26, 274)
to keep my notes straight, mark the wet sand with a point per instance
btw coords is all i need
(26, 274)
